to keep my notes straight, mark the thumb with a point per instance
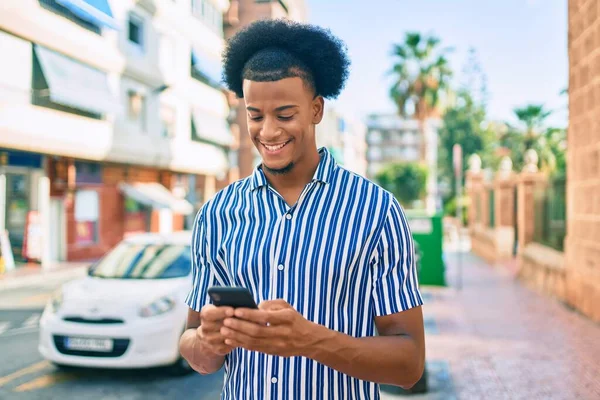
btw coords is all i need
(274, 305)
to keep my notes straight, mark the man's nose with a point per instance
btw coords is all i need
(270, 129)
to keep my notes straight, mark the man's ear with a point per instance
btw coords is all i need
(318, 106)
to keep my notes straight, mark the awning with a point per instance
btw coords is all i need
(156, 196)
(207, 67)
(74, 84)
(97, 12)
(212, 128)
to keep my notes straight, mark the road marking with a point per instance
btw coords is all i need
(4, 327)
(17, 331)
(32, 321)
(45, 381)
(25, 371)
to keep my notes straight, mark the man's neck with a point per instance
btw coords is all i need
(300, 175)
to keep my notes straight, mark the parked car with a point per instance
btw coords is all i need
(129, 312)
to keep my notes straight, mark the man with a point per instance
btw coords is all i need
(327, 254)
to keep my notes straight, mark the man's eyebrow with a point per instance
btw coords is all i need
(281, 108)
(286, 107)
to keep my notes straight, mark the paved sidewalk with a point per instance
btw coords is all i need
(24, 276)
(496, 339)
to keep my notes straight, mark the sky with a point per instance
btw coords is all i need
(521, 46)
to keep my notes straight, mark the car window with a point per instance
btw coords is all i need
(144, 261)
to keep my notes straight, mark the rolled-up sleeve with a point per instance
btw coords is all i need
(203, 275)
(395, 281)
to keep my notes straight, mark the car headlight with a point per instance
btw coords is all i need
(56, 301)
(158, 307)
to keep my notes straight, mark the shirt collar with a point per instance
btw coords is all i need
(324, 173)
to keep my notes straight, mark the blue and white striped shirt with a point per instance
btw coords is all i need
(340, 256)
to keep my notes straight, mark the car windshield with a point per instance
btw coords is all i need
(144, 261)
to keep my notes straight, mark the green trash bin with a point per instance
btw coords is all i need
(428, 235)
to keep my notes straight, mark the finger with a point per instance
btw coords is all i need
(256, 316)
(213, 313)
(251, 329)
(262, 317)
(277, 304)
(240, 339)
(212, 326)
(213, 338)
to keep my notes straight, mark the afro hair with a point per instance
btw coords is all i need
(270, 50)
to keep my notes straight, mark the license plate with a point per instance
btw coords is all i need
(74, 343)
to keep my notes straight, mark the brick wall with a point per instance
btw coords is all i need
(583, 174)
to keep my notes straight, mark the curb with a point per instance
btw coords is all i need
(43, 277)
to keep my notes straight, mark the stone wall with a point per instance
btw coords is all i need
(583, 175)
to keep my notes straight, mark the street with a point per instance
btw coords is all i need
(25, 375)
(492, 339)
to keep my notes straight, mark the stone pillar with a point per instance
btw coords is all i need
(504, 187)
(474, 187)
(529, 177)
(504, 210)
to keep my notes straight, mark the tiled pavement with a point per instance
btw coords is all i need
(496, 339)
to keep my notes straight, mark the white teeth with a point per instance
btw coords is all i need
(274, 148)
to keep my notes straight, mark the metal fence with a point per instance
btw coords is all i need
(550, 213)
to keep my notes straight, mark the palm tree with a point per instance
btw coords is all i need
(532, 117)
(421, 74)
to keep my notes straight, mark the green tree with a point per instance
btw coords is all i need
(532, 133)
(463, 124)
(407, 181)
(421, 74)
(532, 118)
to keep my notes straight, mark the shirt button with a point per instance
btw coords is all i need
(288, 216)
(274, 380)
(280, 267)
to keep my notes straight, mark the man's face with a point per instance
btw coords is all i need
(281, 119)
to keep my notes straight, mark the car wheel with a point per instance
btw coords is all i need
(180, 367)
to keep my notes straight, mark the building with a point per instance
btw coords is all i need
(393, 139)
(344, 137)
(112, 121)
(582, 247)
(240, 14)
(355, 146)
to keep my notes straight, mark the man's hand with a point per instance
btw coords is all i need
(209, 331)
(275, 328)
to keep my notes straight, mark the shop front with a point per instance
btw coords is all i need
(19, 200)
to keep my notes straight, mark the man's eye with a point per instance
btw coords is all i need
(256, 118)
(285, 118)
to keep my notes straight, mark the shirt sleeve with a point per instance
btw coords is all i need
(203, 275)
(395, 281)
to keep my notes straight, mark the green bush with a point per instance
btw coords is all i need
(406, 181)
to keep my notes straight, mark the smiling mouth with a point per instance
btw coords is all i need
(275, 147)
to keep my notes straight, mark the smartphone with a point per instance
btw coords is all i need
(232, 296)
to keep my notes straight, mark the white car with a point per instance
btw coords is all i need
(129, 312)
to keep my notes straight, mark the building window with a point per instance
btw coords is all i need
(136, 31)
(40, 93)
(208, 13)
(52, 5)
(136, 108)
(87, 211)
(375, 154)
(375, 137)
(167, 117)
